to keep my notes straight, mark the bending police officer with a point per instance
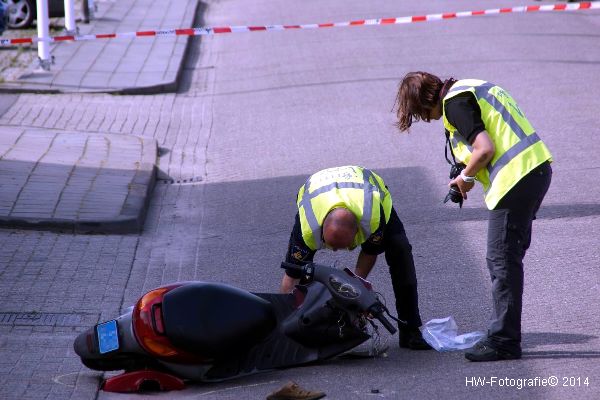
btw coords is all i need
(350, 206)
(489, 134)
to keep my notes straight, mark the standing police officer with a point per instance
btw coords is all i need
(490, 135)
(342, 208)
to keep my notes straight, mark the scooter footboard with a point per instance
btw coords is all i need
(278, 351)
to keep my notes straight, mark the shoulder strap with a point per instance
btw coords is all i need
(448, 146)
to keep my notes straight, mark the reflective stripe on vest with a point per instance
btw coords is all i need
(507, 149)
(365, 214)
(506, 157)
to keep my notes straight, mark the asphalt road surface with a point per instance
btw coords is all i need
(263, 110)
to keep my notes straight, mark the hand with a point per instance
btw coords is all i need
(463, 186)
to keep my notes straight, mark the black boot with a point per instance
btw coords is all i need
(398, 254)
(484, 351)
(411, 338)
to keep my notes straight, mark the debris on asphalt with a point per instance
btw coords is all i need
(293, 391)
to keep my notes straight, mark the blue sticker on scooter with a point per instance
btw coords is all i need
(108, 336)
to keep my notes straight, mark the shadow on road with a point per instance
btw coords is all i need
(535, 339)
(551, 211)
(554, 211)
(186, 76)
(561, 354)
(544, 338)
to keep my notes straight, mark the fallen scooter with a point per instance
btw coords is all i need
(210, 332)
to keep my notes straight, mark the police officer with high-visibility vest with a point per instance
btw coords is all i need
(350, 206)
(493, 143)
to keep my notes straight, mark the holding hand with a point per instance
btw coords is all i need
(464, 184)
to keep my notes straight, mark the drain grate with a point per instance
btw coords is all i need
(48, 319)
(187, 181)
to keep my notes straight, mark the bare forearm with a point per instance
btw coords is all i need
(288, 283)
(482, 154)
(478, 161)
(364, 264)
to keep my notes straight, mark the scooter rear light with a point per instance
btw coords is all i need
(149, 328)
(157, 319)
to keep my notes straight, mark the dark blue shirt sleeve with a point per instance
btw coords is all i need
(298, 252)
(464, 114)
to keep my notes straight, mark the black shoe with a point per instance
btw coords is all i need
(482, 351)
(411, 338)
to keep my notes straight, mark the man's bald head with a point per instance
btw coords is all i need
(339, 228)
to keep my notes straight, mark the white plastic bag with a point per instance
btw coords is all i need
(441, 334)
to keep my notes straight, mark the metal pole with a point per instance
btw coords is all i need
(70, 27)
(85, 8)
(43, 28)
(88, 9)
(92, 8)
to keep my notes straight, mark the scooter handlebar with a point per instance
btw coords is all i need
(377, 312)
(386, 323)
(308, 271)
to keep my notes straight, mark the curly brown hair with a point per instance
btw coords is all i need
(418, 94)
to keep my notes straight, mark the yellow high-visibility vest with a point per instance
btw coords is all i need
(518, 148)
(357, 189)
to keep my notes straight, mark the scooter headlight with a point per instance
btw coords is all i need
(344, 289)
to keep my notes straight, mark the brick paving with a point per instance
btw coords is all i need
(221, 225)
(54, 286)
(179, 124)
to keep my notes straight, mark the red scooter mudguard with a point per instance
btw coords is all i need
(146, 380)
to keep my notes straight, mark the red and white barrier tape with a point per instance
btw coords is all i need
(379, 21)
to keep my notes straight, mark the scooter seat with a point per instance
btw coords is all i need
(215, 320)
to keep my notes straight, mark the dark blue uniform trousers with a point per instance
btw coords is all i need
(509, 236)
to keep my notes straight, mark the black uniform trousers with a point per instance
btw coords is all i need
(398, 255)
(509, 237)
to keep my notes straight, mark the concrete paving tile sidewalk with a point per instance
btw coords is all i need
(125, 65)
(74, 181)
